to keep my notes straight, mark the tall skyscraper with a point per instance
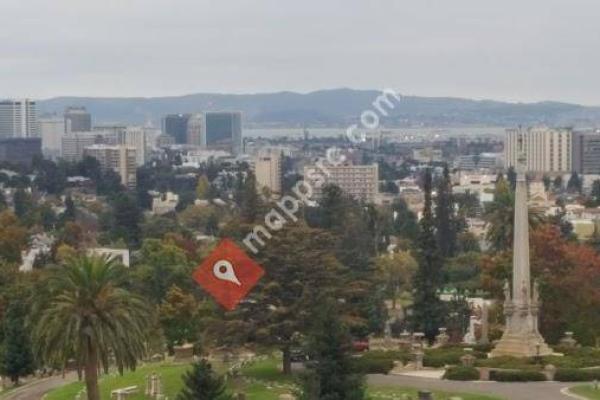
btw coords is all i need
(74, 144)
(77, 119)
(224, 131)
(52, 129)
(586, 152)
(175, 125)
(18, 118)
(196, 130)
(547, 150)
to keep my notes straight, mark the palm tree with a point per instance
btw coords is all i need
(90, 316)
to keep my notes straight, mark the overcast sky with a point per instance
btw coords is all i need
(518, 50)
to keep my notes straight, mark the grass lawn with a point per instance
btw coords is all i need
(171, 378)
(261, 380)
(396, 393)
(587, 391)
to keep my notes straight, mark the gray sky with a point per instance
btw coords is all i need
(518, 50)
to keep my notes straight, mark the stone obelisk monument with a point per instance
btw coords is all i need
(521, 336)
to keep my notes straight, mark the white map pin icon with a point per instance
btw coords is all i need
(224, 271)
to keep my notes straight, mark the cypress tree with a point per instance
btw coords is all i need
(428, 309)
(17, 359)
(330, 375)
(445, 220)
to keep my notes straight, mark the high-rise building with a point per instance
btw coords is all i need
(74, 144)
(175, 125)
(18, 118)
(132, 136)
(121, 159)
(77, 119)
(359, 181)
(586, 152)
(547, 150)
(224, 131)
(196, 130)
(52, 129)
(20, 150)
(267, 169)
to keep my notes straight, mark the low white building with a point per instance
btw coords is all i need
(121, 255)
(164, 203)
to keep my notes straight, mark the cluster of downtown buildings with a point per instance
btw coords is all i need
(202, 136)
(122, 148)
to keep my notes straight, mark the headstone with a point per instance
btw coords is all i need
(468, 360)
(419, 359)
(549, 371)
(184, 353)
(568, 340)
(470, 337)
(442, 338)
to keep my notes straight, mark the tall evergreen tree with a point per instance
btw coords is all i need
(428, 309)
(250, 201)
(22, 202)
(16, 358)
(575, 185)
(202, 383)
(69, 214)
(445, 220)
(329, 375)
(511, 175)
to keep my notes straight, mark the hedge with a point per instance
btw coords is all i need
(365, 365)
(461, 374)
(517, 376)
(576, 375)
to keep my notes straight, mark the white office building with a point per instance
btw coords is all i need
(547, 150)
(359, 181)
(121, 159)
(18, 118)
(52, 130)
(267, 169)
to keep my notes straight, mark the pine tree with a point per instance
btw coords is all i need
(445, 217)
(69, 214)
(202, 383)
(575, 185)
(17, 359)
(22, 202)
(329, 375)
(428, 309)
(250, 201)
(511, 175)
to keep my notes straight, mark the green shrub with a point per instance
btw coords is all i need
(379, 361)
(507, 362)
(517, 376)
(365, 365)
(576, 375)
(448, 355)
(461, 374)
(583, 357)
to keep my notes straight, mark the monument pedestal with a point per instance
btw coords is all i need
(519, 345)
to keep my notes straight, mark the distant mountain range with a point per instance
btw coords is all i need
(331, 108)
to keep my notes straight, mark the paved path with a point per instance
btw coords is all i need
(504, 390)
(36, 390)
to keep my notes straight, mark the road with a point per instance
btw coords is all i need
(505, 390)
(36, 390)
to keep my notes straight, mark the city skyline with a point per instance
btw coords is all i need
(505, 51)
